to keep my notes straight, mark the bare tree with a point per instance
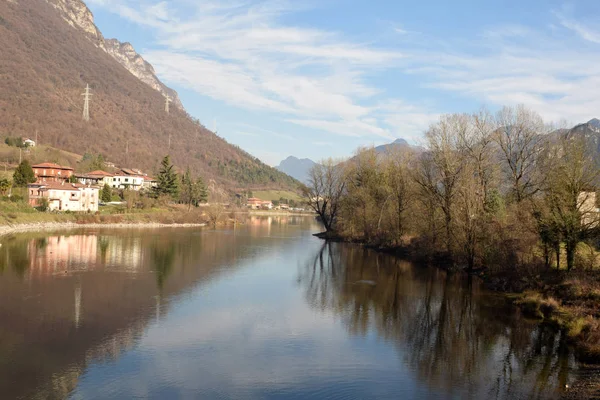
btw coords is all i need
(397, 169)
(440, 169)
(520, 136)
(477, 142)
(326, 185)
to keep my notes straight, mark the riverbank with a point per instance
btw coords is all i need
(56, 226)
(37, 221)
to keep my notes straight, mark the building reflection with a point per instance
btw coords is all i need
(74, 298)
(69, 253)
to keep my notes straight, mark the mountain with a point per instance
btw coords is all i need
(52, 49)
(296, 168)
(76, 14)
(591, 133)
(397, 144)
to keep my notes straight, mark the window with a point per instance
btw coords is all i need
(126, 179)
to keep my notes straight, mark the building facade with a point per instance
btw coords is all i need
(62, 196)
(50, 172)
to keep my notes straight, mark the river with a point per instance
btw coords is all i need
(264, 311)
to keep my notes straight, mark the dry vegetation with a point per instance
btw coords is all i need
(495, 195)
(40, 90)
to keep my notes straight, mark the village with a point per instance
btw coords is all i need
(59, 188)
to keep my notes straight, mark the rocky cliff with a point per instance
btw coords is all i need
(79, 16)
(45, 64)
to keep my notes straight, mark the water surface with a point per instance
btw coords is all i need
(265, 311)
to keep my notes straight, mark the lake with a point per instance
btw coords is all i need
(264, 311)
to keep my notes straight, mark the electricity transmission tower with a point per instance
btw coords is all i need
(167, 101)
(86, 103)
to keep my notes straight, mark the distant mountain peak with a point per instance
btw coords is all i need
(595, 122)
(400, 141)
(297, 168)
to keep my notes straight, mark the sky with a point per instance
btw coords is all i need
(320, 78)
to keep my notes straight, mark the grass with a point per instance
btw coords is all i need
(276, 195)
(572, 305)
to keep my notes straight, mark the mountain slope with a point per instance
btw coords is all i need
(76, 14)
(296, 168)
(397, 144)
(47, 62)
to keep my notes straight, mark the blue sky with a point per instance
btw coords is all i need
(320, 78)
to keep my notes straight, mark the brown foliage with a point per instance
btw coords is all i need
(45, 66)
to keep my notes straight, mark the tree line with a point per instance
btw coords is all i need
(496, 190)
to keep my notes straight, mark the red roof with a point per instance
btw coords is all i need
(147, 178)
(50, 165)
(100, 172)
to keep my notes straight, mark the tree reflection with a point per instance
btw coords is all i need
(163, 256)
(453, 335)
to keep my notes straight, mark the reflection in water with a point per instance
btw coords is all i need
(172, 313)
(445, 328)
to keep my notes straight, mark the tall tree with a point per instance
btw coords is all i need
(520, 138)
(326, 186)
(166, 179)
(440, 169)
(23, 174)
(186, 195)
(397, 170)
(200, 190)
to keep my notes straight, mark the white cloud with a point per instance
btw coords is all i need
(247, 54)
(244, 55)
(580, 29)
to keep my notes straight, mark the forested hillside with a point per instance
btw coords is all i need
(45, 65)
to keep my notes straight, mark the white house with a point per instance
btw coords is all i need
(29, 143)
(62, 196)
(123, 181)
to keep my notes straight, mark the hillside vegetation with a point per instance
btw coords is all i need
(41, 83)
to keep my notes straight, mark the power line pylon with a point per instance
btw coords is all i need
(167, 101)
(86, 103)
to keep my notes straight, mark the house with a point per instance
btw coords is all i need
(149, 183)
(122, 180)
(50, 172)
(97, 177)
(256, 204)
(29, 143)
(586, 203)
(63, 196)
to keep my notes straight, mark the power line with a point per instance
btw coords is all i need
(86, 103)
(167, 101)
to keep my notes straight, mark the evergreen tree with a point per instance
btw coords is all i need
(106, 195)
(166, 180)
(4, 186)
(201, 190)
(187, 189)
(23, 174)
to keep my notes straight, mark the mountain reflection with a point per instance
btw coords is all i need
(446, 329)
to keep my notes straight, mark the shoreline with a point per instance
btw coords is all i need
(51, 226)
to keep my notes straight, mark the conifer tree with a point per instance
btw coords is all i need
(106, 195)
(23, 174)
(167, 180)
